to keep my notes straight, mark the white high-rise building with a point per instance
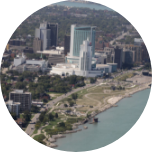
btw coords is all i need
(85, 58)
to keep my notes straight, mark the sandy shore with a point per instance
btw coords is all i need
(113, 100)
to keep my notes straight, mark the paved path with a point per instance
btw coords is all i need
(51, 104)
(30, 128)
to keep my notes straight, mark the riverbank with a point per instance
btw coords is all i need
(112, 102)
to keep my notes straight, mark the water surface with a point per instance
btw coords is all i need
(83, 5)
(113, 124)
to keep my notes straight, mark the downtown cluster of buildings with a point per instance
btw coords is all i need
(78, 56)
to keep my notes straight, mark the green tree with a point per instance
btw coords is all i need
(35, 109)
(50, 116)
(14, 116)
(20, 85)
(37, 125)
(61, 124)
(56, 115)
(45, 100)
(88, 115)
(74, 97)
(65, 105)
(27, 116)
(42, 115)
(71, 103)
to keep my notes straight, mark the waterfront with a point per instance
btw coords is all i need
(83, 5)
(113, 124)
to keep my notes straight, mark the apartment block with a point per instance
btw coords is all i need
(24, 98)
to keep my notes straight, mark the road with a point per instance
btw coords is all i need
(30, 128)
(119, 37)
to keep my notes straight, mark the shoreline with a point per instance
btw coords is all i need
(131, 92)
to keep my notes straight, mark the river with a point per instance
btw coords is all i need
(83, 5)
(113, 124)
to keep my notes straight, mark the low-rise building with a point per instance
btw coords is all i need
(56, 58)
(37, 103)
(21, 64)
(113, 66)
(138, 41)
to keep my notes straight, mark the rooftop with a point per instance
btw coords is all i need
(66, 66)
(102, 66)
(20, 92)
(112, 63)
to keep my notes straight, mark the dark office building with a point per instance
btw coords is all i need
(54, 33)
(118, 57)
(66, 44)
(105, 61)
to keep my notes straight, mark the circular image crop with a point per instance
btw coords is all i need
(76, 75)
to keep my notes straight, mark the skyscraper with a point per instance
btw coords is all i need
(127, 56)
(78, 35)
(54, 33)
(48, 33)
(66, 44)
(118, 57)
(85, 58)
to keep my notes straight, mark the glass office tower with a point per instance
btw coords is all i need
(48, 33)
(80, 34)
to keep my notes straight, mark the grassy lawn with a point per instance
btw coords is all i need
(21, 115)
(90, 112)
(53, 98)
(40, 138)
(58, 103)
(35, 131)
(125, 76)
(52, 123)
(87, 102)
(83, 109)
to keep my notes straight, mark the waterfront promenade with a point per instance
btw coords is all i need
(30, 128)
(108, 102)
